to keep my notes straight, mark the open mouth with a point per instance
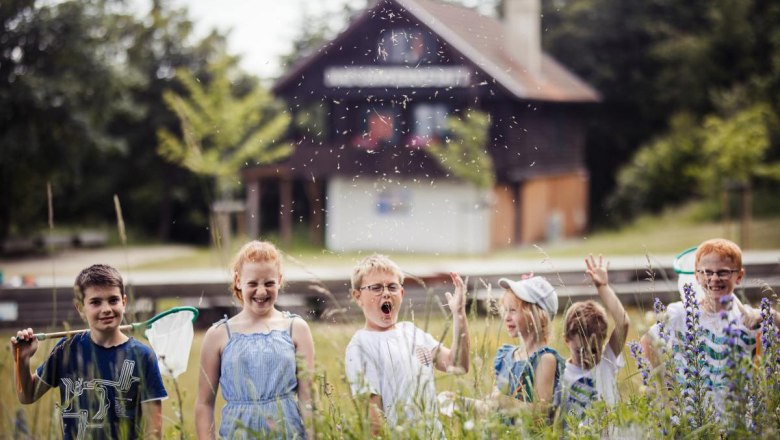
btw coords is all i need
(387, 307)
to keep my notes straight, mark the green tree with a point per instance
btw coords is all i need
(663, 172)
(223, 130)
(53, 122)
(735, 149)
(463, 153)
(170, 202)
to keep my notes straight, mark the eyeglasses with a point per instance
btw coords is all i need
(378, 289)
(724, 274)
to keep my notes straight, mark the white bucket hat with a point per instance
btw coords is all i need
(535, 290)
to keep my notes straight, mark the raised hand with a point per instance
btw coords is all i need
(597, 271)
(457, 301)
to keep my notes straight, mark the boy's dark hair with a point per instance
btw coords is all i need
(97, 275)
(586, 318)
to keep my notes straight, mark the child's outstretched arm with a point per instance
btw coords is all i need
(208, 381)
(597, 271)
(456, 358)
(152, 415)
(29, 388)
(304, 351)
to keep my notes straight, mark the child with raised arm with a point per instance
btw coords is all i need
(262, 358)
(110, 384)
(390, 362)
(591, 370)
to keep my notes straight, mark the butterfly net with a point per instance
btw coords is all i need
(171, 338)
(685, 266)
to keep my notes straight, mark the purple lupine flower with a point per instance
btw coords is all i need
(660, 309)
(641, 363)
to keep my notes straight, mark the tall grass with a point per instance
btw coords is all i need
(338, 414)
(646, 410)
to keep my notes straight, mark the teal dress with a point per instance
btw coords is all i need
(516, 377)
(259, 385)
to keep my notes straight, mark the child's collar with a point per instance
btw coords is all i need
(108, 341)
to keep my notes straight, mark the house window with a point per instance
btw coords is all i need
(394, 202)
(402, 46)
(430, 123)
(380, 127)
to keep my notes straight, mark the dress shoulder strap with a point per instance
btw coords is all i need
(224, 321)
(292, 317)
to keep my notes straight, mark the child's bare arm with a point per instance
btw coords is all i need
(544, 381)
(29, 387)
(152, 419)
(456, 358)
(304, 351)
(598, 273)
(375, 413)
(208, 382)
(647, 347)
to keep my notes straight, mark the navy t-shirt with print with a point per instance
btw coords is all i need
(102, 389)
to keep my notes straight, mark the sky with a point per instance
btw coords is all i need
(261, 30)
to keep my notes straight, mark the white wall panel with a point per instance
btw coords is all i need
(406, 216)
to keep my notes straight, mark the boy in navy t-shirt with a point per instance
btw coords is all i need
(110, 384)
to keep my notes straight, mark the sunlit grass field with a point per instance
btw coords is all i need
(332, 392)
(339, 415)
(666, 233)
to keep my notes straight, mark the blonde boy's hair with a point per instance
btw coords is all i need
(586, 319)
(720, 246)
(253, 252)
(374, 263)
(539, 318)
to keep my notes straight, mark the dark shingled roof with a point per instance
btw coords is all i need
(481, 40)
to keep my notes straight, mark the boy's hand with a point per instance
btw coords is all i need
(751, 318)
(597, 271)
(26, 342)
(457, 301)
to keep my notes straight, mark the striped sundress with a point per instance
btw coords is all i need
(259, 385)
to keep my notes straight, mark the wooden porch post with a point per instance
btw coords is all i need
(285, 210)
(253, 208)
(316, 225)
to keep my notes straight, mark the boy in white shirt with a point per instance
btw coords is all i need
(392, 362)
(719, 271)
(591, 371)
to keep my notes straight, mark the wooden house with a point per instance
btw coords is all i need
(367, 104)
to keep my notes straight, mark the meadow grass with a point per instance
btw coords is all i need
(331, 389)
(666, 233)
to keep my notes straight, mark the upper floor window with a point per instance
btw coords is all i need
(402, 46)
(430, 123)
(380, 126)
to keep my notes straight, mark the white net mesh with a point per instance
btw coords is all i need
(685, 266)
(171, 337)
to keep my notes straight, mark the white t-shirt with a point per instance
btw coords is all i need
(398, 366)
(712, 334)
(582, 387)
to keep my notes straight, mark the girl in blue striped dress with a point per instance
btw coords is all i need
(262, 358)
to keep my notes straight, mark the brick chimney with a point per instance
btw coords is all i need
(522, 33)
